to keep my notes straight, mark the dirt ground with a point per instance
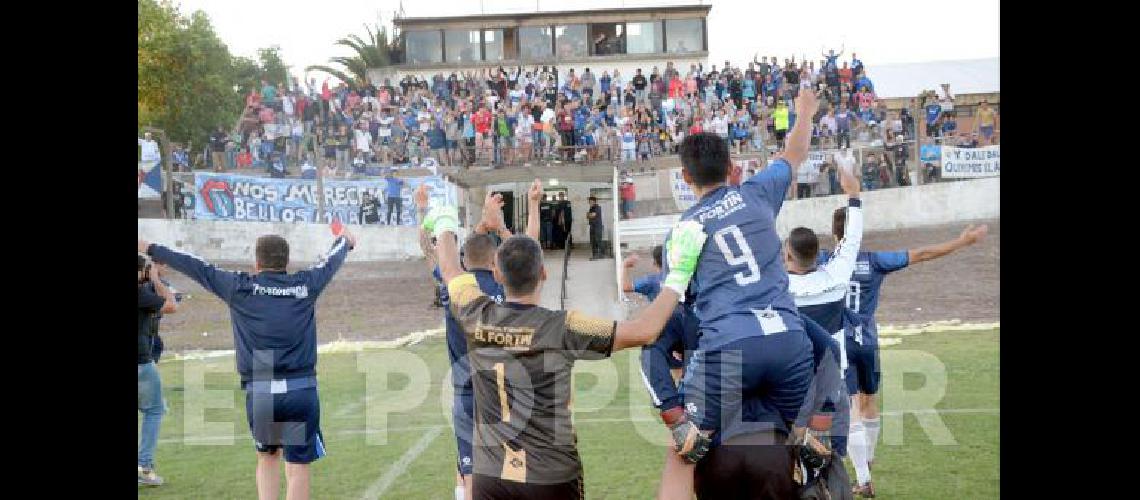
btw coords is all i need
(965, 285)
(384, 300)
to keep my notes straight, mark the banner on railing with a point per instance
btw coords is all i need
(150, 176)
(266, 199)
(808, 172)
(958, 163)
(930, 153)
(683, 195)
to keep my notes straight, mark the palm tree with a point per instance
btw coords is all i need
(374, 53)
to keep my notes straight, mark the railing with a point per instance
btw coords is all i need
(565, 275)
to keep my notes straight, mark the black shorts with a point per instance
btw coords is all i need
(780, 134)
(748, 466)
(493, 488)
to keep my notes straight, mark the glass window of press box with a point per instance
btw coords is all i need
(643, 38)
(535, 42)
(607, 38)
(462, 45)
(570, 40)
(503, 44)
(423, 47)
(684, 35)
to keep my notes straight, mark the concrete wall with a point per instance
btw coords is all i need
(885, 210)
(230, 240)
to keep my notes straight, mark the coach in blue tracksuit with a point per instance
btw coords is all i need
(275, 335)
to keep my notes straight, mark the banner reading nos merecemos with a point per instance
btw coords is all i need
(971, 162)
(265, 199)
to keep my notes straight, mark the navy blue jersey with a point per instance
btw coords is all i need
(649, 285)
(867, 280)
(740, 284)
(456, 340)
(275, 328)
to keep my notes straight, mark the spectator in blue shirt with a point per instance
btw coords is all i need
(392, 193)
(933, 112)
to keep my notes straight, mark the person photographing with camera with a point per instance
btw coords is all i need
(275, 336)
(155, 298)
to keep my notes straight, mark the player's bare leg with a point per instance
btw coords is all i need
(676, 478)
(268, 475)
(297, 480)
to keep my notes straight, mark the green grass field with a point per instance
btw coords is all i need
(620, 440)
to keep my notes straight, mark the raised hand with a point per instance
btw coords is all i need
(534, 194)
(974, 234)
(630, 261)
(421, 196)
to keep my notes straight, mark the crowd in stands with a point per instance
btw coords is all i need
(513, 116)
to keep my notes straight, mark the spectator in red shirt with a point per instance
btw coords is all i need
(266, 115)
(628, 196)
(845, 74)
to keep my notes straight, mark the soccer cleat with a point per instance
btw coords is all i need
(147, 477)
(865, 490)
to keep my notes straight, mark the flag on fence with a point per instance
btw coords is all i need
(151, 186)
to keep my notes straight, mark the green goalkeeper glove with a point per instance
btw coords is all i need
(442, 219)
(683, 250)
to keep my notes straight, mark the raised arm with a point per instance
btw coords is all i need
(840, 267)
(421, 199)
(219, 282)
(534, 199)
(626, 280)
(683, 250)
(799, 139)
(968, 237)
(321, 273)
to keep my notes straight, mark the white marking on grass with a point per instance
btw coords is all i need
(336, 346)
(437, 428)
(381, 485)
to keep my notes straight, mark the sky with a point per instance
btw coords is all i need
(880, 31)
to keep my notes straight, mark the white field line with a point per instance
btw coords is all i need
(384, 482)
(440, 427)
(336, 346)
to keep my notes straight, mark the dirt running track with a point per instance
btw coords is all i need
(964, 285)
(384, 300)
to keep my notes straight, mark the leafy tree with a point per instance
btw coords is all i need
(375, 52)
(188, 82)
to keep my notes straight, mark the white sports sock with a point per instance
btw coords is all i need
(872, 426)
(857, 448)
(459, 493)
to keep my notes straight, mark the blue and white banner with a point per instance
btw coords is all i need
(960, 163)
(151, 174)
(266, 199)
(930, 153)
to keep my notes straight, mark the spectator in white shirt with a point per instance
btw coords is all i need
(363, 140)
(150, 151)
(827, 124)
